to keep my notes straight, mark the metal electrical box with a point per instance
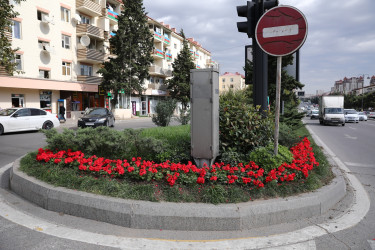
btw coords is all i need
(204, 94)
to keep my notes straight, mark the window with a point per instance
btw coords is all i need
(86, 70)
(16, 29)
(18, 60)
(44, 74)
(66, 68)
(85, 19)
(223, 86)
(175, 45)
(23, 112)
(41, 15)
(65, 15)
(35, 112)
(231, 86)
(223, 79)
(231, 80)
(65, 41)
(44, 45)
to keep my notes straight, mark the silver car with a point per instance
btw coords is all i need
(23, 119)
(362, 116)
(351, 115)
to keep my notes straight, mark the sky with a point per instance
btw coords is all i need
(340, 41)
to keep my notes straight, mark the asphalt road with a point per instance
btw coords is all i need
(354, 145)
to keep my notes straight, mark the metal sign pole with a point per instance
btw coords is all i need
(277, 108)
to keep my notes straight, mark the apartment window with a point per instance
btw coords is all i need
(65, 41)
(41, 14)
(18, 60)
(85, 19)
(223, 79)
(66, 68)
(231, 86)
(223, 86)
(231, 80)
(65, 15)
(16, 29)
(44, 45)
(86, 70)
(175, 45)
(44, 74)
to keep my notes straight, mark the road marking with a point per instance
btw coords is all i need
(353, 164)
(350, 137)
(352, 128)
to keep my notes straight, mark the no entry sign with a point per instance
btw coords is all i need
(281, 31)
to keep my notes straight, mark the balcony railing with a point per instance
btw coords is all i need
(168, 56)
(90, 56)
(160, 71)
(89, 79)
(158, 53)
(157, 36)
(88, 7)
(89, 29)
(157, 86)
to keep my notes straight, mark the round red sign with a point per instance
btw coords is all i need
(281, 31)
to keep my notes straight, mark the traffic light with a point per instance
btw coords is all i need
(247, 11)
(269, 4)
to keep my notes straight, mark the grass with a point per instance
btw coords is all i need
(156, 191)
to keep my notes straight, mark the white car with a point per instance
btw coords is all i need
(351, 115)
(23, 119)
(362, 116)
(371, 115)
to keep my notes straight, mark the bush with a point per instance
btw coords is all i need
(163, 112)
(287, 136)
(264, 156)
(184, 116)
(242, 127)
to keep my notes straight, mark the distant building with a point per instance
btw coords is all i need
(233, 81)
(354, 85)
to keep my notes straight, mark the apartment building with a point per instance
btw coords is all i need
(354, 85)
(63, 43)
(231, 81)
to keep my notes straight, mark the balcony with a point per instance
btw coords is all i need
(158, 54)
(157, 86)
(111, 15)
(90, 56)
(89, 79)
(88, 7)
(168, 56)
(157, 37)
(156, 70)
(167, 40)
(90, 30)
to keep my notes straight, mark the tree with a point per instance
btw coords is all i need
(6, 52)
(132, 44)
(179, 84)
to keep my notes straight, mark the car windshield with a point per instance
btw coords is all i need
(96, 112)
(351, 112)
(333, 110)
(361, 113)
(315, 111)
(7, 112)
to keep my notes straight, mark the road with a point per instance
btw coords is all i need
(354, 145)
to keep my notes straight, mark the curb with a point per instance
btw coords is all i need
(173, 216)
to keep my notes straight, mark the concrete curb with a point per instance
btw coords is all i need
(173, 216)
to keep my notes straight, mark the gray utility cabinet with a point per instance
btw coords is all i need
(204, 98)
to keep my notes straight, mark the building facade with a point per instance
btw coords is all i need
(354, 85)
(231, 81)
(63, 43)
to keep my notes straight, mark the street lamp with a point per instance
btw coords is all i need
(363, 84)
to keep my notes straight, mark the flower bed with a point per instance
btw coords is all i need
(250, 174)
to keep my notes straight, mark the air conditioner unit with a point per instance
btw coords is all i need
(47, 19)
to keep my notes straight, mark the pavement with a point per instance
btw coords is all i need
(97, 222)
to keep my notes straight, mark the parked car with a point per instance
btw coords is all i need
(351, 115)
(314, 114)
(371, 115)
(362, 116)
(94, 117)
(23, 119)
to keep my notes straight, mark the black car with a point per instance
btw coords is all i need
(94, 117)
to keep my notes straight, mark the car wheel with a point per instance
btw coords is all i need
(343, 124)
(47, 125)
(1, 129)
(113, 123)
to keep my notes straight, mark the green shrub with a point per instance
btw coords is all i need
(242, 127)
(287, 136)
(163, 112)
(264, 156)
(184, 116)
